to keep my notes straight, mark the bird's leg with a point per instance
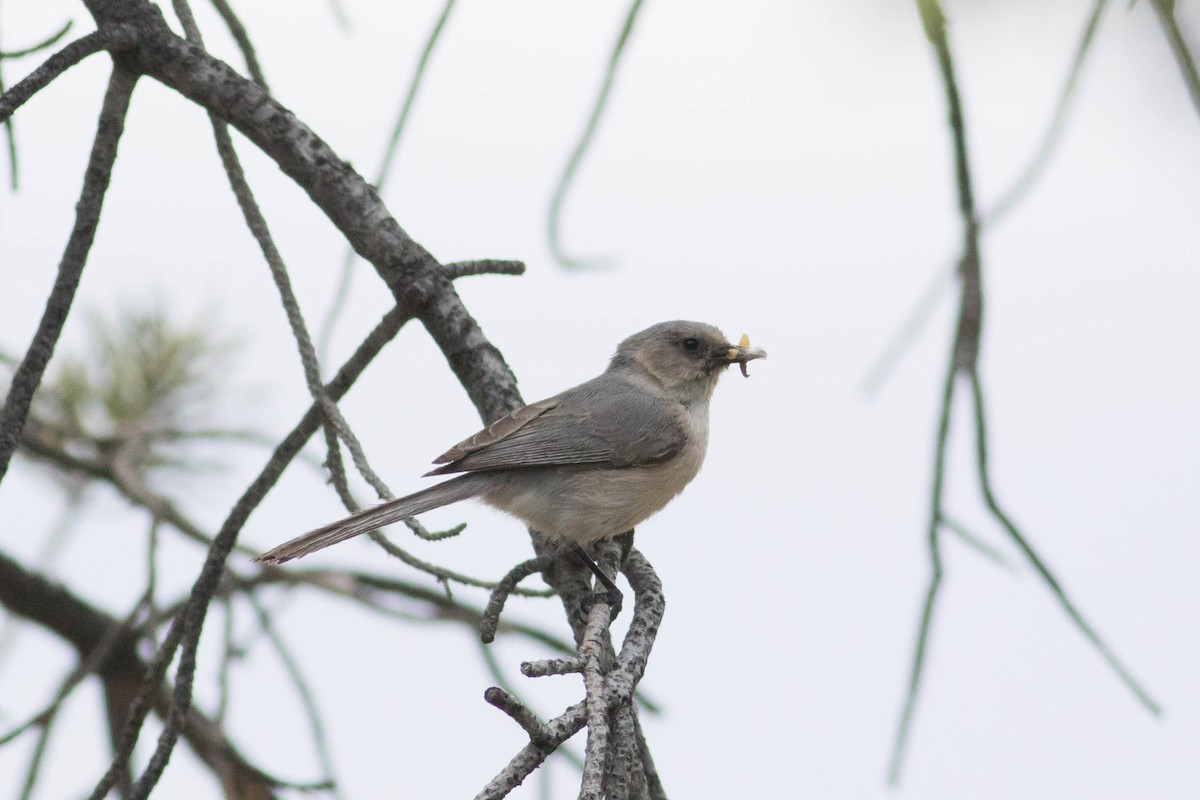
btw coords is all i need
(615, 598)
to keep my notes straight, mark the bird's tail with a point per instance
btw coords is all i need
(368, 519)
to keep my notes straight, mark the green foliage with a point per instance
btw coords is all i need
(142, 387)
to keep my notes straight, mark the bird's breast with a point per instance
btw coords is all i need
(583, 504)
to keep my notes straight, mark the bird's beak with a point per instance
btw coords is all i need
(742, 353)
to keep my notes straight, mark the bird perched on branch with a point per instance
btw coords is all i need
(591, 462)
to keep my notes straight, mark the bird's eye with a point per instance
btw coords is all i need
(691, 344)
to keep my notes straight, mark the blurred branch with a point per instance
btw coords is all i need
(10, 134)
(978, 545)
(964, 361)
(367, 589)
(342, 293)
(304, 691)
(1054, 129)
(1165, 9)
(111, 466)
(565, 181)
(189, 619)
(91, 632)
(1035, 560)
(44, 44)
(927, 302)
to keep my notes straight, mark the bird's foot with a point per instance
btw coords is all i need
(612, 597)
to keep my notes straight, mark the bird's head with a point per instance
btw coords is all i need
(684, 358)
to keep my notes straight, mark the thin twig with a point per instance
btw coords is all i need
(1054, 128)
(256, 222)
(342, 293)
(539, 733)
(44, 44)
(962, 356)
(238, 31)
(9, 131)
(88, 663)
(975, 543)
(921, 647)
(304, 690)
(115, 38)
(922, 309)
(444, 573)
(291, 445)
(484, 266)
(1085, 628)
(362, 588)
(566, 180)
(1165, 9)
(531, 756)
(229, 652)
(964, 360)
(551, 666)
(504, 587)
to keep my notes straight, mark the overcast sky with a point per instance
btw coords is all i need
(776, 168)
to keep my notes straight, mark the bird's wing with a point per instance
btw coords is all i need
(500, 429)
(605, 421)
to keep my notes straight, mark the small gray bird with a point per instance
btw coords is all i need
(592, 462)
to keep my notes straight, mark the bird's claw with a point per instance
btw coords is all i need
(612, 597)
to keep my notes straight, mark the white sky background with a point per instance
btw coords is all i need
(782, 169)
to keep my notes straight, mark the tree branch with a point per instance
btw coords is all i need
(28, 375)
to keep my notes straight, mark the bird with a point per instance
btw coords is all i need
(591, 462)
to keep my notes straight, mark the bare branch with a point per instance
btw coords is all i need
(649, 606)
(964, 360)
(388, 327)
(1165, 9)
(1085, 628)
(559, 729)
(364, 588)
(112, 37)
(539, 733)
(342, 293)
(9, 133)
(554, 221)
(551, 666)
(1054, 129)
(28, 376)
(304, 690)
(485, 266)
(444, 573)
(491, 614)
(922, 309)
(44, 44)
(964, 352)
(975, 543)
(88, 630)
